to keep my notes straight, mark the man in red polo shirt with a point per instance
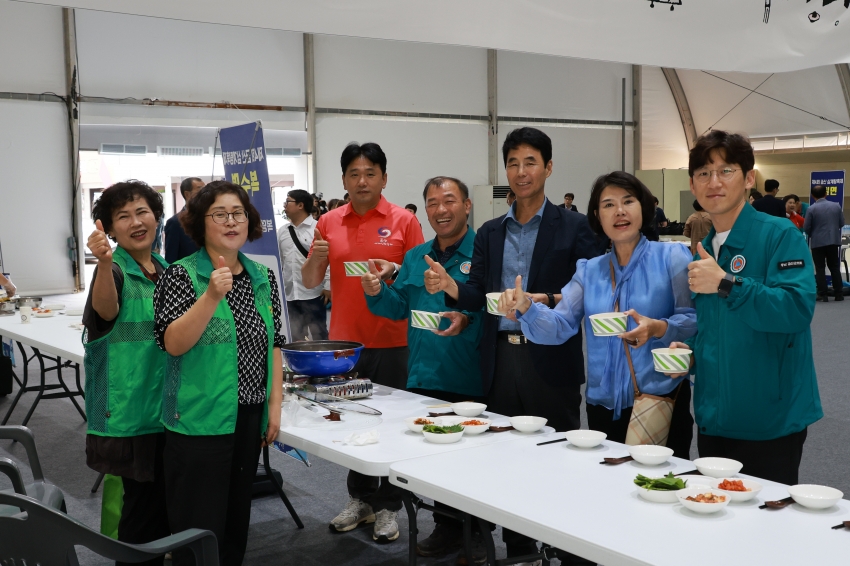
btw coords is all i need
(368, 227)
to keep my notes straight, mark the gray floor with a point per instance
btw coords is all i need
(319, 492)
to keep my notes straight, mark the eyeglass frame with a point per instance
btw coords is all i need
(717, 173)
(228, 216)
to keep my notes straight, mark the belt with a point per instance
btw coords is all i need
(512, 337)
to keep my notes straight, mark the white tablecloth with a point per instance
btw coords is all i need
(52, 335)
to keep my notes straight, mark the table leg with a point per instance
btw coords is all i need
(467, 537)
(40, 388)
(23, 388)
(279, 488)
(487, 537)
(68, 391)
(412, 530)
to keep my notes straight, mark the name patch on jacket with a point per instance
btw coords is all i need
(791, 264)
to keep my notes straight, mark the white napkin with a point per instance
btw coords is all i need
(361, 438)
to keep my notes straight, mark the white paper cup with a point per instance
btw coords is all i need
(670, 360)
(425, 320)
(608, 323)
(493, 304)
(26, 315)
(356, 268)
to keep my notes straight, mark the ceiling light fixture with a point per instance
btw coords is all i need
(672, 3)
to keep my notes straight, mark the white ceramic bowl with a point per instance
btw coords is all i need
(695, 480)
(468, 408)
(739, 496)
(658, 496)
(450, 438)
(608, 323)
(704, 508)
(493, 304)
(585, 438)
(528, 424)
(650, 455)
(815, 496)
(718, 467)
(409, 421)
(671, 360)
(473, 429)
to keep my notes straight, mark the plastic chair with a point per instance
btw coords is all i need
(41, 535)
(41, 490)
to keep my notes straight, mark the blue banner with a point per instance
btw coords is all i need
(834, 183)
(244, 154)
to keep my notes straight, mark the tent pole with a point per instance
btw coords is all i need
(69, 33)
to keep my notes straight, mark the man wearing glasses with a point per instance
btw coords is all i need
(306, 307)
(755, 391)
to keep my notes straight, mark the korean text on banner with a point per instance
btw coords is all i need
(833, 181)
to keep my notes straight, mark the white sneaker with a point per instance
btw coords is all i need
(355, 512)
(386, 527)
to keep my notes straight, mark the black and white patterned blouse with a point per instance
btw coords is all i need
(175, 295)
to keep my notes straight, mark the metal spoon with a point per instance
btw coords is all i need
(844, 525)
(777, 504)
(615, 461)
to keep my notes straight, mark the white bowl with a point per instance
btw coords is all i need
(704, 508)
(450, 438)
(528, 424)
(417, 427)
(425, 320)
(718, 467)
(739, 496)
(473, 429)
(815, 496)
(650, 455)
(672, 360)
(493, 304)
(608, 323)
(585, 438)
(468, 408)
(695, 480)
(659, 496)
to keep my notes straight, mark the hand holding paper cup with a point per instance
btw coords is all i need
(678, 357)
(493, 304)
(356, 268)
(608, 323)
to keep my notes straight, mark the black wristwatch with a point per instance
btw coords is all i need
(726, 284)
(551, 298)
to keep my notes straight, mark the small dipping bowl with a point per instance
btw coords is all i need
(650, 455)
(718, 467)
(585, 438)
(411, 425)
(528, 424)
(739, 496)
(468, 408)
(815, 496)
(703, 508)
(449, 438)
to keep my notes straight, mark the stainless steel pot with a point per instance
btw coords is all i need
(27, 301)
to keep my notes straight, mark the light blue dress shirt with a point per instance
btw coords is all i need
(655, 284)
(516, 258)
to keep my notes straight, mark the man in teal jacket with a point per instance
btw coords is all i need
(442, 363)
(755, 390)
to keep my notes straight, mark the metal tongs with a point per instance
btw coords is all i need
(335, 404)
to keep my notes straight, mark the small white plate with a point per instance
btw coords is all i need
(43, 314)
(74, 312)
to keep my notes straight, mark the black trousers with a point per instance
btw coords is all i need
(681, 427)
(208, 481)
(827, 256)
(775, 460)
(307, 314)
(144, 515)
(384, 366)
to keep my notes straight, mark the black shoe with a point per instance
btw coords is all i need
(479, 552)
(822, 298)
(839, 297)
(441, 541)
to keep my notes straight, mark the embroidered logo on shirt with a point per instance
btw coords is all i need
(791, 264)
(465, 267)
(384, 232)
(738, 264)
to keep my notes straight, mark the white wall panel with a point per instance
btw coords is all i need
(664, 145)
(366, 74)
(416, 151)
(543, 86)
(131, 56)
(35, 196)
(32, 57)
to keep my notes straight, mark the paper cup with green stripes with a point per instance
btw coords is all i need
(425, 320)
(493, 304)
(671, 360)
(356, 268)
(608, 323)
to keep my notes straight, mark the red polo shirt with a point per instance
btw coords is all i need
(385, 232)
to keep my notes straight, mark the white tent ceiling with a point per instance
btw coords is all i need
(721, 35)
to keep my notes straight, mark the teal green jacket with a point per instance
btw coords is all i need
(755, 376)
(438, 363)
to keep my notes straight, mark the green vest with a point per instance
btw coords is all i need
(201, 392)
(125, 368)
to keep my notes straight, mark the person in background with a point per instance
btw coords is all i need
(659, 221)
(511, 198)
(367, 228)
(124, 366)
(792, 203)
(218, 316)
(453, 376)
(177, 244)
(754, 196)
(697, 226)
(755, 298)
(568, 202)
(317, 208)
(769, 204)
(346, 198)
(803, 207)
(306, 307)
(646, 280)
(7, 285)
(334, 203)
(823, 226)
(412, 208)
(156, 245)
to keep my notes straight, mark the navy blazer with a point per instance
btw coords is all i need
(564, 238)
(177, 244)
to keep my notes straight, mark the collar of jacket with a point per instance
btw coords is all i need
(740, 230)
(383, 208)
(465, 247)
(205, 267)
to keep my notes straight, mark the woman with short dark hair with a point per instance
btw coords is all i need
(649, 282)
(218, 318)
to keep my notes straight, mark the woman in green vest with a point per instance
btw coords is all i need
(218, 318)
(124, 366)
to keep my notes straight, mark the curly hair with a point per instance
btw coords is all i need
(194, 219)
(119, 194)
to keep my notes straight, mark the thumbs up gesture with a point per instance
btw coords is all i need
(221, 281)
(704, 275)
(514, 299)
(371, 281)
(321, 247)
(98, 243)
(436, 278)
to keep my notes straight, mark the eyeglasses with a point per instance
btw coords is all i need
(725, 174)
(289, 201)
(221, 217)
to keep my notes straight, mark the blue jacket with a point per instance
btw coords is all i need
(438, 363)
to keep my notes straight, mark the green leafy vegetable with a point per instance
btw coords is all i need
(667, 483)
(436, 429)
